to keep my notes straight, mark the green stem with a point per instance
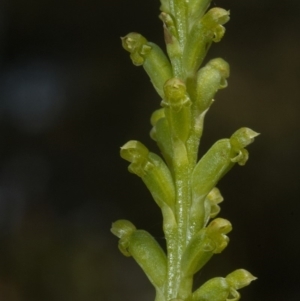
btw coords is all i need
(181, 171)
(170, 231)
(172, 243)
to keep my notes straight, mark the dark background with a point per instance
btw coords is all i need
(70, 97)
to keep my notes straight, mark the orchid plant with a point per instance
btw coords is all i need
(183, 186)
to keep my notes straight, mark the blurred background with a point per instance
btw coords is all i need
(70, 97)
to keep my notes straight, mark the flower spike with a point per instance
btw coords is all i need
(183, 186)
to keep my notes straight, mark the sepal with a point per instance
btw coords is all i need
(164, 5)
(174, 49)
(162, 135)
(196, 9)
(208, 241)
(215, 289)
(211, 167)
(137, 46)
(197, 253)
(240, 278)
(153, 59)
(213, 21)
(144, 249)
(158, 68)
(123, 229)
(169, 27)
(175, 95)
(224, 289)
(160, 182)
(150, 256)
(208, 81)
(205, 31)
(155, 117)
(136, 153)
(177, 108)
(152, 170)
(211, 207)
(218, 160)
(217, 230)
(214, 198)
(240, 139)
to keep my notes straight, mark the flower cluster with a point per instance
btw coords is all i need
(183, 186)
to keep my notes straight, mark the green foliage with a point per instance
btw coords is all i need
(184, 187)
